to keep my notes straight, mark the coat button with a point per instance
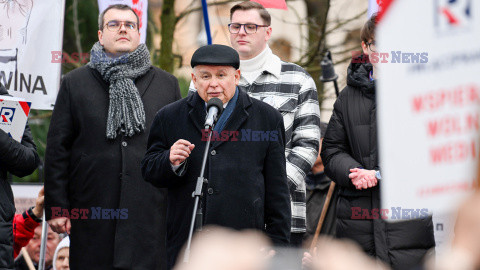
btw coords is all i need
(210, 191)
(124, 144)
(213, 152)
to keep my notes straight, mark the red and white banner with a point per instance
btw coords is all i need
(140, 7)
(27, 39)
(13, 116)
(278, 4)
(428, 102)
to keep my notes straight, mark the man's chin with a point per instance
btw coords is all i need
(123, 50)
(244, 52)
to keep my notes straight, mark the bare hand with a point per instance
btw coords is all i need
(363, 179)
(39, 204)
(307, 260)
(180, 151)
(60, 225)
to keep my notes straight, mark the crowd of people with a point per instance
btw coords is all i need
(124, 154)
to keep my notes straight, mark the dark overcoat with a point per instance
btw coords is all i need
(20, 159)
(351, 142)
(85, 170)
(247, 183)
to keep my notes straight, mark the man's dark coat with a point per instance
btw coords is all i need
(85, 170)
(247, 183)
(20, 159)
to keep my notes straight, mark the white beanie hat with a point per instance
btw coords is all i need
(63, 244)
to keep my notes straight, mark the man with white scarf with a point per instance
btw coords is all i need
(288, 88)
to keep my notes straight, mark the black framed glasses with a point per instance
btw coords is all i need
(116, 25)
(250, 28)
(369, 45)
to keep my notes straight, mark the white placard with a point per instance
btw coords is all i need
(429, 103)
(13, 116)
(30, 30)
(140, 7)
(25, 196)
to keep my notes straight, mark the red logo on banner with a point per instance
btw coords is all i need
(383, 7)
(278, 4)
(454, 12)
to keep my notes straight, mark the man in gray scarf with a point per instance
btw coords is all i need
(98, 135)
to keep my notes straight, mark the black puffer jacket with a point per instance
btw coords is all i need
(351, 142)
(20, 160)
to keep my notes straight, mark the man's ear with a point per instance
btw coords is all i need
(237, 76)
(100, 37)
(364, 48)
(194, 80)
(269, 33)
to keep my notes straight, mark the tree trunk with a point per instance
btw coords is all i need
(168, 20)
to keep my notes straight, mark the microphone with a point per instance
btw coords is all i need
(214, 110)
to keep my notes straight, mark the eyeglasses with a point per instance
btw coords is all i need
(250, 28)
(369, 45)
(116, 25)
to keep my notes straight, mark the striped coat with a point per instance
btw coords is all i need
(291, 90)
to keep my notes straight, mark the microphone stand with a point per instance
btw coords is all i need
(197, 215)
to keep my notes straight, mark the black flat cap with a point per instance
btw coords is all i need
(216, 55)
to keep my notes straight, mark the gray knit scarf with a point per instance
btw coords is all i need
(125, 112)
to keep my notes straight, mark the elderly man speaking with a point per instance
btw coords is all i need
(247, 183)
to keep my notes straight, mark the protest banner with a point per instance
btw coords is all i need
(13, 116)
(27, 39)
(428, 100)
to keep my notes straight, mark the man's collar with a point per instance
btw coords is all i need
(273, 65)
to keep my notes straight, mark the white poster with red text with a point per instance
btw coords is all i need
(428, 103)
(140, 7)
(30, 30)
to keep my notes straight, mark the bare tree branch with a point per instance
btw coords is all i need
(318, 68)
(191, 10)
(341, 24)
(357, 47)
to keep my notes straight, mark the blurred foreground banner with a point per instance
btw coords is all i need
(140, 7)
(30, 31)
(428, 101)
